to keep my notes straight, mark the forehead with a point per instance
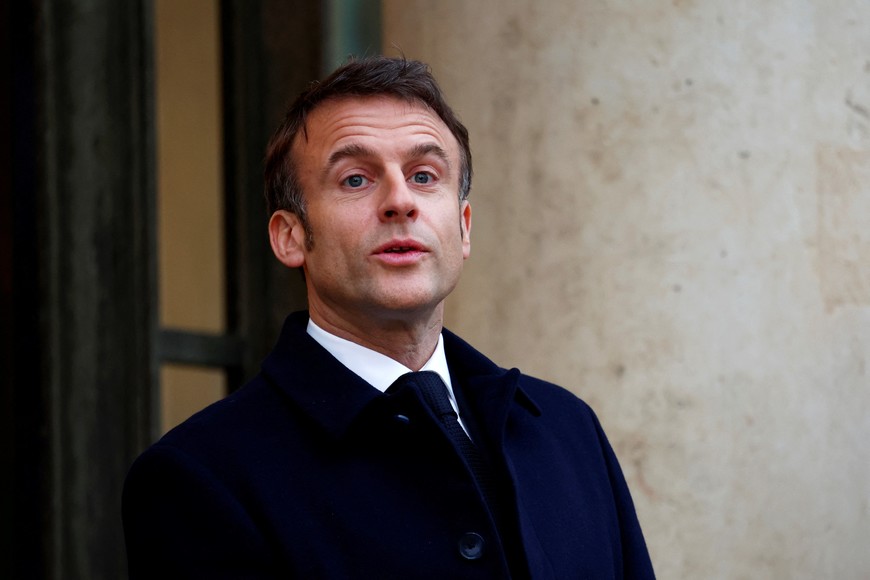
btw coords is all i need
(386, 121)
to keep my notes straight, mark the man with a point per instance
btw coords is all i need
(335, 462)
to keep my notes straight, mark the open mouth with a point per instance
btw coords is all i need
(404, 248)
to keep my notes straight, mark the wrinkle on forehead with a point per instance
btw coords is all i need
(409, 103)
(402, 108)
(357, 150)
(348, 117)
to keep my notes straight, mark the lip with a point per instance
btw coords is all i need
(412, 252)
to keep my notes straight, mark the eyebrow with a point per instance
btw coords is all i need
(424, 149)
(355, 150)
(351, 150)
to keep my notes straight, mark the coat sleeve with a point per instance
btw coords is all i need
(181, 522)
(636, 564)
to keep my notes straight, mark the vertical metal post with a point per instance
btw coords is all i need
(353, 28)
(271, 50)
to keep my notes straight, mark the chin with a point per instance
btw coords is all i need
(415, 304)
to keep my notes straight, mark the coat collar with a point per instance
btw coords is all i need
(335, 397)
(488, 389)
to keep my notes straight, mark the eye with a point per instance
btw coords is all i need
(422, 178)
(355, 181)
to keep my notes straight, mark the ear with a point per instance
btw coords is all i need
(287, 237)
(465, 225)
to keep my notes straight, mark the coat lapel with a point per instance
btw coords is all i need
(485, 389)
(315, 381)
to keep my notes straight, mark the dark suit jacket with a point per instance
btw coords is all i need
(309, 472)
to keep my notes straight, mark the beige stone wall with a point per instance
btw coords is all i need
(672, 219)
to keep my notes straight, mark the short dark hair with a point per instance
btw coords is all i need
(408, 80)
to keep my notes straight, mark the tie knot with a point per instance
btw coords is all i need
(431, 388)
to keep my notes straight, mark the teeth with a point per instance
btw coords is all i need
(398, 250)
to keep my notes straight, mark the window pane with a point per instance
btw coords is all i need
(184, 390)
(189, 193)
(189, 164)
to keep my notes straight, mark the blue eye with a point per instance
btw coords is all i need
(355, 181)
(422, 178)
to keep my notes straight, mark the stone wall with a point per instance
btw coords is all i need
(672, 219)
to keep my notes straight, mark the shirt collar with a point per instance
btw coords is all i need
(379, 370)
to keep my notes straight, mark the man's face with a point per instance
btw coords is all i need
(380, 178)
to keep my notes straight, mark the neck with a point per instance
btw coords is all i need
(408, 339)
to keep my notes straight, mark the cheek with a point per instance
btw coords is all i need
(345, 246)
(336, 230)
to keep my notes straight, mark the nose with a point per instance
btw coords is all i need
(398, 202)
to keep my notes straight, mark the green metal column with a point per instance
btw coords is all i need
(353, 28)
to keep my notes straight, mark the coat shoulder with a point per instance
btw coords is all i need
(236, 417)
(550, 392)
(555, 400)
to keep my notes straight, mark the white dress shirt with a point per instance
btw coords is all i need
(379, 370)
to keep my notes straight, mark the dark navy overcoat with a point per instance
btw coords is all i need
(309, 472)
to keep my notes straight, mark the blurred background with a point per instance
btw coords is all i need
(671, 219)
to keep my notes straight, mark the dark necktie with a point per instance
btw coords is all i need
(434, 394)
